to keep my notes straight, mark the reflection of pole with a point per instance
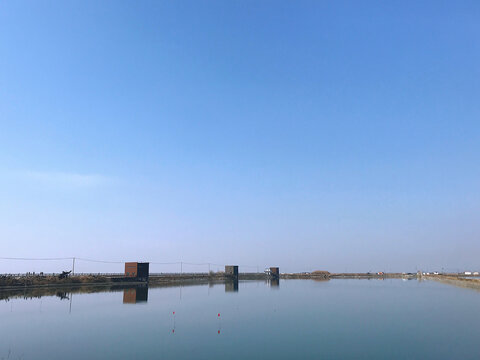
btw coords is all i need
(73, 267)
(71, 297)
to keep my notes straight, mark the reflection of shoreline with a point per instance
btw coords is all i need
(473, 284)
(61, 291)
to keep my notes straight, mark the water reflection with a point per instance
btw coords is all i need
(273, 282)
(135, 295)
(304, 318)
(63, 295)
(231, 285)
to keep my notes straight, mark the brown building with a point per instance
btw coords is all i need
(274, 272)
(137, 270)
(231, 271)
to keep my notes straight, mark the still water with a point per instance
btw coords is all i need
(295, 319)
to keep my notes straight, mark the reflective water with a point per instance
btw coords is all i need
(293, 319)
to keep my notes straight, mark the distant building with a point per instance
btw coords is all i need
(231, 271)
(275, 272)
(468, 273)
(137, 270)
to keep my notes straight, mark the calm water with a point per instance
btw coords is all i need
(299, 319)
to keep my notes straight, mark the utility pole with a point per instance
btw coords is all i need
(181, 267)
(73, 266)
(209, 268)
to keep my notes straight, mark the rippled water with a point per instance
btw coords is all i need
(297, 319)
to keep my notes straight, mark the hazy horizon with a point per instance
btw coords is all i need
(339, 136)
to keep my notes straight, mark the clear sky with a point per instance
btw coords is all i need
(332, 135)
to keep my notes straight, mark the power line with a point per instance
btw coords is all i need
(34, 259)
(117, 262)
(198, 264)
(101, 261)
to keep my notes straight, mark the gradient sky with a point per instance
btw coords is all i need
(333, 135)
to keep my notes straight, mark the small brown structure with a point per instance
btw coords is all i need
(275, 272)
(137, 270)
(231, 271)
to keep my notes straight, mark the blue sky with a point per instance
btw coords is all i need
(337, 135)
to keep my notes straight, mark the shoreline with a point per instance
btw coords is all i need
(14, 283)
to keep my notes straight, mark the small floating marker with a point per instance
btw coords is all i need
(173, 331)
(174, 313)
(218, 314)
(219, 331)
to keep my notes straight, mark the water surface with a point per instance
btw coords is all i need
(295, 319)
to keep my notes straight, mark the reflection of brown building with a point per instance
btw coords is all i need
(135, 295)
(231, 285)
(275, 282)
